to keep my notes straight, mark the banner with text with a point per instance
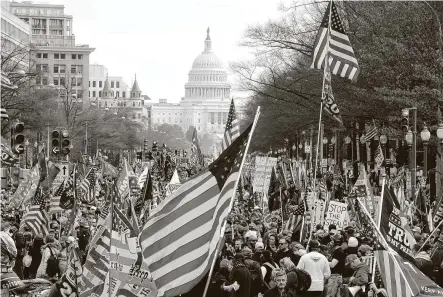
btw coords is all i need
(262, 173)
(336, 214)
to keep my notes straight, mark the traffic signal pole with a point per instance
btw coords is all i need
(414, 153)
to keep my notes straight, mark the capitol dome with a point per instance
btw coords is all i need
(207, 59)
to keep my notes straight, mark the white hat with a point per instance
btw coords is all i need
(259, 244)
(352, 242)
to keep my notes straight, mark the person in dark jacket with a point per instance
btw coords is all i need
(424, 262)
(360, 277)
(280, 289)
(36, 255)
(240, 278)
(220, 285)
(20, 244)
(267, 267)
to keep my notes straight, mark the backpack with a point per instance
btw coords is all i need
(304, 280)
(52, 268)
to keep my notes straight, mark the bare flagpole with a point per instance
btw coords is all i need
(222, 231)
(321, 104)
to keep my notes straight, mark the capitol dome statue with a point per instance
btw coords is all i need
(208, 79)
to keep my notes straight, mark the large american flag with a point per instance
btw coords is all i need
(335, 44)
(36, 218)
(180, 237)
(295, 220)
(232, 130)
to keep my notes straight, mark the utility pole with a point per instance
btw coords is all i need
(414, 152)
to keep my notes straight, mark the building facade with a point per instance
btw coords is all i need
(136, 106)
(97, 77)
(59, 61)
(15, 38)
(207, 97)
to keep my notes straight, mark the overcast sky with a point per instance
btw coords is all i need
(160, 39)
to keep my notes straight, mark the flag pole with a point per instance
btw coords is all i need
(322, 97)
(379, 219)
(222, 231)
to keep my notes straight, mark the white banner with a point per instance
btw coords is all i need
(336, 214)
(318, 212)
(262, 173)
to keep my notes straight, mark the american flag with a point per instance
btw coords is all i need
(369, 261)
(54, 205)
(396, 285)
(196, 157)
(379, 158)
(4, 114)
(232, 130)
(371, 131)
(295, 220)
(36, 218)
(88, 186)
(180, 237)
(334, 45)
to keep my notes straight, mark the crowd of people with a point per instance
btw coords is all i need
(260, 256)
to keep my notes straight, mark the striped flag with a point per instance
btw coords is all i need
(71, 278)
(36, 218)
(369, 261)
(379, 158)
(180, 237)
(333, 44)
(4, 114)
(296, 218)
(54, 205)
(395, 284)
(196, 156)
(88, 186)
(370, 131)
(143, 177)
(232, 130)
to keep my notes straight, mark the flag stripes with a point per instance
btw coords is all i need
(371, 132)
(394, 282)
(36, 218)
(232, 130)
(179, 239)
(335, 45)
(369, 261)
(54, 205)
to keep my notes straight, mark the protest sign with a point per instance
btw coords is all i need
(262, 173)
(336, 214)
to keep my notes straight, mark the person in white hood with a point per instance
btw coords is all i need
(317, 266)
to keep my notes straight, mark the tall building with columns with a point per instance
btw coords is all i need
(207, 97)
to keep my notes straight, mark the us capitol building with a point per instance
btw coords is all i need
(207, 97)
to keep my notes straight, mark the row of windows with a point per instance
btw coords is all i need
(38, 11)
(60, 56)
(206, 78)
(94, 84)
(117, 94)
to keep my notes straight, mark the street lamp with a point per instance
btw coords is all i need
(26, 153)
(409, 137)
(425, 136)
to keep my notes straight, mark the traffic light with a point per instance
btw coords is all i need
(145, 145)
(66, 142)
(139, 155)
(154, 146)
(55, 142)
(405, 120)
(18, 138)
(150, 156)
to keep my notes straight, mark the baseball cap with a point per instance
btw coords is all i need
(352, 242)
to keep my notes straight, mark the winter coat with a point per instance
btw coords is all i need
(46, 253)
(425, 264)
(274, 293)
(242, 276)
(218, 280)
(361, 275)
(292, 281)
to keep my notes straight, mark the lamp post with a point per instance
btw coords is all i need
(409, 137)
(334, 142)
(294, 147)
(325, 143)
(440, 137)
(363, 143)
(348, 142)
(26, 153)
(425, 136)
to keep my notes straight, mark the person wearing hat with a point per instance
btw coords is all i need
(83, 236)
(360, 277)
(352, 246)
(318, 268)
(337, 264)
